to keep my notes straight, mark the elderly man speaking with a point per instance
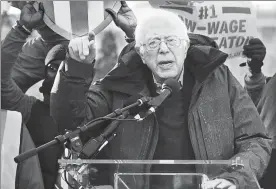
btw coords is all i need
(210, 117)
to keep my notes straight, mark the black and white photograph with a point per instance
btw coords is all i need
(150, 94)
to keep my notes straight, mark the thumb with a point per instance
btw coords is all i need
(92, 45)
(91, 36)
(113, 14)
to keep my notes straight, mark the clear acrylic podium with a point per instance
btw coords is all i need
(80, 173)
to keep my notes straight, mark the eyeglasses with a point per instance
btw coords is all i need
(170, 41)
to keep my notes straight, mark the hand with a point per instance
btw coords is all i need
(256, 51)
(125, 19)
(219, 184)
(31, 18)
(83, 49)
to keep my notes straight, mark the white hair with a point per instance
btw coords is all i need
(158, 14)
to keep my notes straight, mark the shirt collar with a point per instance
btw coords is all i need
(159, 86)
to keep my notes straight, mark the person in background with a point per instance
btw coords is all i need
(35, 113)
(183, 127)
(29, 67)
(262, 90)
(267, 109)
(16, 51)
(255, 80)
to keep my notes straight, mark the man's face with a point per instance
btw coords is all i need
(164, 50)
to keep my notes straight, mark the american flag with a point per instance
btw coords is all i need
(72, 19)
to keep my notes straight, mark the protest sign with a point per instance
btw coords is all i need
(230, 23)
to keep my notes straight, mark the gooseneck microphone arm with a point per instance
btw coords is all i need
(168, 87)
(61, 139)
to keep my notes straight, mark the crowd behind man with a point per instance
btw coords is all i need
(17, 52)
(261, 89)
(23, 64)
(211, 116)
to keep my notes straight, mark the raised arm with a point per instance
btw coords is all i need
(73, 100)
(255, 80)
(12, 97)
(29, 67)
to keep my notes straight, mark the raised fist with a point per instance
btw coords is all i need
(256, 51)
(30, 17)
(83, 49)
(125, 19)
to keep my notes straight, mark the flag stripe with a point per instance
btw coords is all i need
(95, 13)
(49, 10)
(241, 10)
(79, 17)
(62, 15)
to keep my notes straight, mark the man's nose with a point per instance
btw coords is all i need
(163, 47)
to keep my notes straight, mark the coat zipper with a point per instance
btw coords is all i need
(192, 131)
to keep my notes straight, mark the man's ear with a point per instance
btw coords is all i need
(140, 50)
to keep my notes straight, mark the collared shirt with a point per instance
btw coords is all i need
(159, 86)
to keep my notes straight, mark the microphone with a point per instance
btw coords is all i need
(142, 103)
(168, 87)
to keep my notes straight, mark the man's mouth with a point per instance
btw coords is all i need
(165, 64)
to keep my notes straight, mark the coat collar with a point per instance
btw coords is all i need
(131, 76)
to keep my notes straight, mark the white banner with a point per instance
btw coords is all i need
(230, 23)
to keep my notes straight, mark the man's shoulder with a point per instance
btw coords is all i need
(221, 73)
(222, 69)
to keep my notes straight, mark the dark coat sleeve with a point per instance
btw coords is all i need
(255, 85)
(267, 108)
(252, 144)
(12, 97)
(74, 100)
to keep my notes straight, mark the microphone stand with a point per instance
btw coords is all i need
(61, 139)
